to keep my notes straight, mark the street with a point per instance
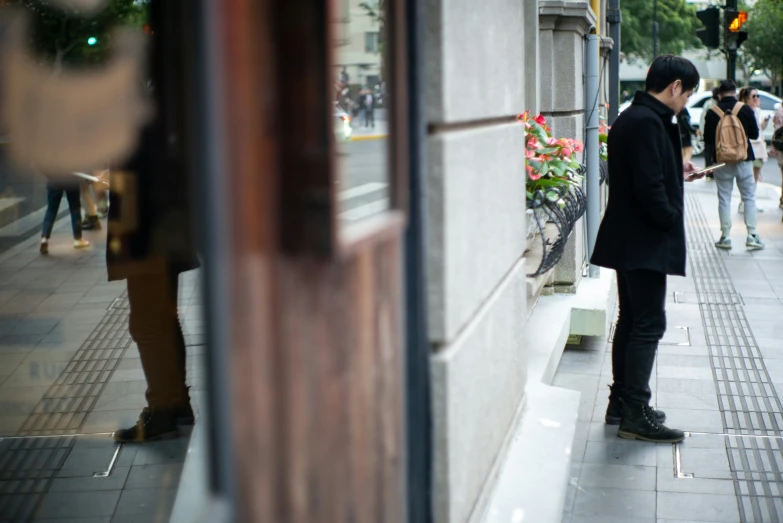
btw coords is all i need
(363, 166)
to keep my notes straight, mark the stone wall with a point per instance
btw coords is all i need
(477, 84)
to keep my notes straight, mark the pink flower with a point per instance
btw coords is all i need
(552, 141)
(530, 154)
(567, 152)
(532, 174)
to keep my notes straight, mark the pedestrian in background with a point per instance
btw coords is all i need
(741, 121)
(642, 237)
(55, 189)
(684, 122)
(709, 147)
(777, 121)
(91, 221)
(369, 109)
(750, 96)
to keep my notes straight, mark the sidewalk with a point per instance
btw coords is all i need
(719, 373)
(69, 376)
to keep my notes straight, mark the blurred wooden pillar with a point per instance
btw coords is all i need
(316, 342)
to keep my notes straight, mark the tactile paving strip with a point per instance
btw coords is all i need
(74, 393)
(27, 467)
(747, 398)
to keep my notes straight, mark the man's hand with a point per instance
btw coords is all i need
(689, 168)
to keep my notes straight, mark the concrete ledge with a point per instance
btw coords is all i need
(538, 460)
(533, 479)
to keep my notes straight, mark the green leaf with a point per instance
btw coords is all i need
(552, 196)
(548, 150)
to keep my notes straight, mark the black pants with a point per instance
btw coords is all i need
(54, 194)
(369, 117)
(640, 326)
(155, 327)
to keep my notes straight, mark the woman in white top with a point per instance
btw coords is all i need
(778, 123)
(750, 96)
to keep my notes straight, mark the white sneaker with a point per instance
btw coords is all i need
(80, 244)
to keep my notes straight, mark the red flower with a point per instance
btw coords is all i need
(532, 174)
(540, 120)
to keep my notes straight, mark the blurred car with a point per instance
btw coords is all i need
(342, 124)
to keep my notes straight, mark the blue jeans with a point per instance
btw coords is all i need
(54, 194)
(724, 179)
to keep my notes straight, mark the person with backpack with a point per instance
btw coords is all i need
(730, 125)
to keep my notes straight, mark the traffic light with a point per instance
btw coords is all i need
(91, 41)
(710, 33)
(734, 20)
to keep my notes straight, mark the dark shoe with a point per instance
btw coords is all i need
(185, 416)
(640, 422)
(91, 223)
(152, 425)
(44, 250)
(614, 412)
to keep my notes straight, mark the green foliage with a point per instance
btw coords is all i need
(61, 36)
(763, 49)
(677, 24)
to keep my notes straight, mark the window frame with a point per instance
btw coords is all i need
(309, 210)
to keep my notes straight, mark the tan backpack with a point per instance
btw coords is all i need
(731, 142)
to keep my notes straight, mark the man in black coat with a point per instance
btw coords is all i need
(742, 172)
(150, 240)
(642, 237)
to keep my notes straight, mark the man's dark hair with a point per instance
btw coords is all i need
(669, 68)
(715, 93)
(727, 86)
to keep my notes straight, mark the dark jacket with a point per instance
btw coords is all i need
(643, 225)
(150, 216)
(746, 117)
(684, 121)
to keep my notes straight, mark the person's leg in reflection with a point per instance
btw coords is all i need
(155, 327)
(54, 195)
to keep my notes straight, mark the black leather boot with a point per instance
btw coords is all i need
(614, 411)
(640, 422)
(153, 424)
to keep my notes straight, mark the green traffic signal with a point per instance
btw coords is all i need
(92, 41)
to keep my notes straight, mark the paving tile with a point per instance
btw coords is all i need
(666, 482)
(148, 476)
(686, 400)
(630, 477)
(697, 507)
(156, 502)
(582, 518)
(78, 504)
(689, 386)
(74, 520)
(575, 361)
(122, 395)
(707, 463)
(618, 503)
(162, 452)
(84, 461)
(115, 481)
(684, 373)
(694, 420)
(9, 362)
(620, 452)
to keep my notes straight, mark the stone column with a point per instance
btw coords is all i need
(565, 24)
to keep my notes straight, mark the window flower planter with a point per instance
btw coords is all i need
(554, 191)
